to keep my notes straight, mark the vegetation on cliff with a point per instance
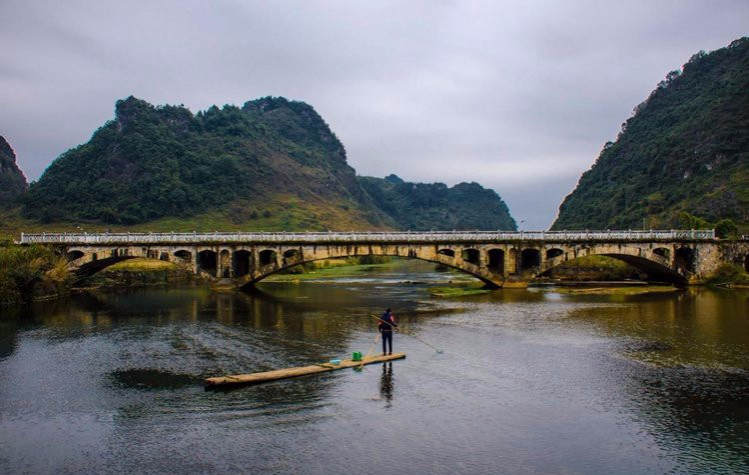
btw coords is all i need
(272, 164)
(684, 150)
(156, 162)
(427, 206)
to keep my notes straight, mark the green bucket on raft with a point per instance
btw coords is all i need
(356, 356)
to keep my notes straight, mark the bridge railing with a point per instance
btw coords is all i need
(363, 237)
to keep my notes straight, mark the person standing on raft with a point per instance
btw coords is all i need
(387, 322)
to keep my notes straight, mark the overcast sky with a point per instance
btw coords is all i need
(518, 96)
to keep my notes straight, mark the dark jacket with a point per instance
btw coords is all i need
(388, 322)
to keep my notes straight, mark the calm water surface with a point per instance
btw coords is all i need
(535, 381)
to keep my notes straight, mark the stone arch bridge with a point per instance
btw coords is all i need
(500, 259)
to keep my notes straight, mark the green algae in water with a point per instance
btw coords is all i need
(454, 292)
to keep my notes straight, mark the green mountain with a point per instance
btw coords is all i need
(270, 157)
(422, 206)
(683, 153)
(12, 181)
(272, 164)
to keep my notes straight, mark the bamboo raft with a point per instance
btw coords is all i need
(267, 376)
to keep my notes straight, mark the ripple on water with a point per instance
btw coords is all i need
(525, 385)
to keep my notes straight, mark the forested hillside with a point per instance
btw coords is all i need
(270, 156)
(272, 164)
(682, 159)
(426, 206)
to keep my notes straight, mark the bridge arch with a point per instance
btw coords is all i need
(95, 265)
(530, 259)
(242, 262)
(267, 257)
(654, 264)
(74, 255)
(496, 258)
(207, 261)
(684, 258)
(471, 255)
(274, 267)
(184, 255)
(292, 254)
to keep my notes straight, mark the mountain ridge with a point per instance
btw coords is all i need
(420, 206)
(684, 152)
(270, 164)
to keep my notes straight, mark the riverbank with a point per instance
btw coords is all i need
(31, 273)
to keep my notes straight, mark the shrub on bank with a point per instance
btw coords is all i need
(31, 272)
(728, 274)
(373, 260)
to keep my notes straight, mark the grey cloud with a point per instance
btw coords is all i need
(518, 96)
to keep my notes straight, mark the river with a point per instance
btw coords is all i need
(528, 381)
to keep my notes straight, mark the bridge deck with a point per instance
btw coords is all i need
(365, 237)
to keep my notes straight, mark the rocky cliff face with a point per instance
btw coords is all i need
(685, 151)
(12, 181)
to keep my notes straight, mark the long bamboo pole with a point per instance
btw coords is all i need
(266, 376)
(408, 334)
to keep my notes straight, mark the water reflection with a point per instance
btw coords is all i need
(692, 327)
(386, 383)
(531, 381)
(684, 372)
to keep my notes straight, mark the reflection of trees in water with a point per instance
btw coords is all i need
(686, 402)
(8, 337)
(289, 321)
(58, 313)
(510, 296)
(700, 326)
